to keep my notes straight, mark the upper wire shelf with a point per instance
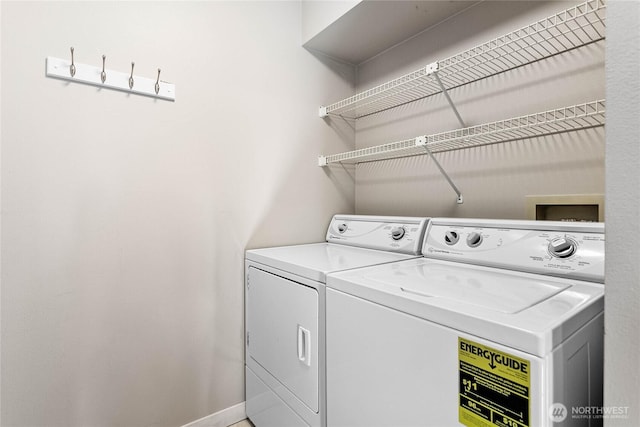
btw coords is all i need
(576, 117)
(572, 28)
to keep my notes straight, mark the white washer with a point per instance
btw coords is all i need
(501, 324)
(285, 295)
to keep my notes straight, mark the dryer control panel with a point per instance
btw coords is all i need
(395, 234)
(563, 249)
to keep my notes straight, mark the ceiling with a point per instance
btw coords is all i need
(372, 27)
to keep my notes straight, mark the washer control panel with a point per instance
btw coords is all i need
(396, 234)
(546, 247)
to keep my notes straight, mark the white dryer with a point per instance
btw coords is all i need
(501, 324)
(285, 317)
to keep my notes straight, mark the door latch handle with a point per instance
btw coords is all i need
(304, 345)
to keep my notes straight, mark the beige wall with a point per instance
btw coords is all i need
(493, 179)
(319, 14)
(125, 219)
(622, 297)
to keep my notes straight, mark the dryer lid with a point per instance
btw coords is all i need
(314, 261)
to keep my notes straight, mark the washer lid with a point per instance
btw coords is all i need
(314, 261)
(490, 290)
(530, 312)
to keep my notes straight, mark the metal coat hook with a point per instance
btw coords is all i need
(72, 68)
(131, 77)
(157, 87)
(103, 74)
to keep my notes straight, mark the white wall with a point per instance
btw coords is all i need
(0, 219)
(496, 179)
(125, 219)
(319, 14)
(622, 297)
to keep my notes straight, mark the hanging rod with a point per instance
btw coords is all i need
(69, 70)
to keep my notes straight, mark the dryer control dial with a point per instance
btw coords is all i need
(562, 247)
(342, 228)
(474, 239)
(397, 233)
(451, 237)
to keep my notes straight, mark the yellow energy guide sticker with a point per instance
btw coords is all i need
(493, 387)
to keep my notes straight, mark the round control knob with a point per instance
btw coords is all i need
(474, 239)
(342, 228)
(451, 237)
(397, 233)
(562, 247)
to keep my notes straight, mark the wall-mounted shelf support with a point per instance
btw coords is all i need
(92, 75)
(451, 104)
(422, 141)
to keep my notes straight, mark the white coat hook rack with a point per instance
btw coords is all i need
(99, 76)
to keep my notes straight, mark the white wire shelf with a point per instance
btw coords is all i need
(576, 117)
(572, 28)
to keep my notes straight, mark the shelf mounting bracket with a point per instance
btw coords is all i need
(421, 141)
(446, 95)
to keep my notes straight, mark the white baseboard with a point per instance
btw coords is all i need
(223, 418)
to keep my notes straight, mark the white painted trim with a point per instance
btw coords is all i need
(224, 418)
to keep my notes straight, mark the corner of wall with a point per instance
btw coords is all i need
(622, 295)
